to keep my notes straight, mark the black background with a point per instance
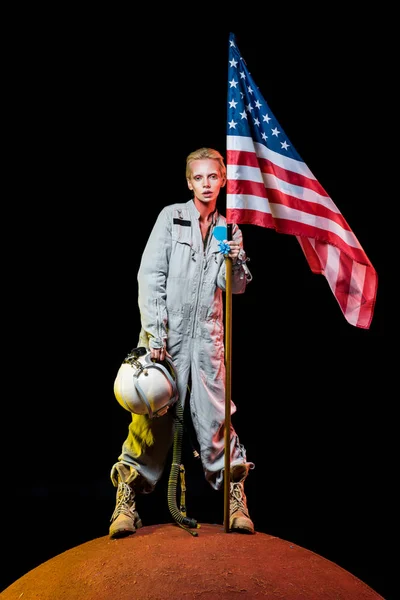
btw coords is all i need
(107, 108)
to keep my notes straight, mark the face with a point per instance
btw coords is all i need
(205, 180)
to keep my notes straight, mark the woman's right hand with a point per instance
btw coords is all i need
(159, 354)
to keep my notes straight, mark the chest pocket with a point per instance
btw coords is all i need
(182, 227)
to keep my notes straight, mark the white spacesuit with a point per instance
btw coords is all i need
(181, 280)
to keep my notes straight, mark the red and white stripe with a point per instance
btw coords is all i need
(268, 189)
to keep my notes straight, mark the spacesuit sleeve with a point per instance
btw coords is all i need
(152, 282)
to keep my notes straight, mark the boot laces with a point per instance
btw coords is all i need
(238, 498)
(125, 501)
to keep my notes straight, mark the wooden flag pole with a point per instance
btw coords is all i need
(228, 379)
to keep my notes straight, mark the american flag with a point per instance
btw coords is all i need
(268, 184)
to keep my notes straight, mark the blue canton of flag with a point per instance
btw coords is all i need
(248, 112)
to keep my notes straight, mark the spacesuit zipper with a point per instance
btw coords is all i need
(197, 295)
(202, 268)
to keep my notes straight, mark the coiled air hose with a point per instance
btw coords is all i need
(183, 521)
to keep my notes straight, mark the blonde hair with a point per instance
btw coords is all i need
(202, 153)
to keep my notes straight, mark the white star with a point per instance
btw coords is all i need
(233, 83)
(256, 122)
(232, 124)
(249, 89)
(266, 118)
(285, 145)
(243, 115)
(233, 62)
(242, 75)
(241, 95)
(275, 131)
(232, 44)
(258, 104)
(264, 135)
(249, 107)
(232, 104)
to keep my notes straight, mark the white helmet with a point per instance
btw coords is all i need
(145, 387)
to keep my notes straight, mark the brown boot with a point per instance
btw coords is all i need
(125, 519)
(239, 520)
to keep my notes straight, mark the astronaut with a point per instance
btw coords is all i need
(181, 280)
